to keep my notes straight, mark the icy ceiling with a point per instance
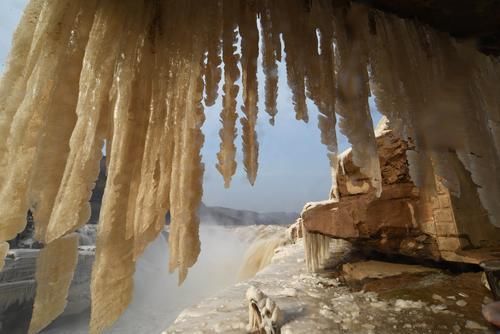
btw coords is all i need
(138, 74)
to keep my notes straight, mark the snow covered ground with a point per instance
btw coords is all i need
(321, 303)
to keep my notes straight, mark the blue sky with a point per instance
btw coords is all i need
(293, 167)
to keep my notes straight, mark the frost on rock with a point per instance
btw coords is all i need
(137, 75)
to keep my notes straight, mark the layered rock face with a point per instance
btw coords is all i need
(403, 220)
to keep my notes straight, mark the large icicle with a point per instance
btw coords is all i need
(187, 169)
(148, 205)
(56, 20)
(212, 70)
(249, 55)
(71, 208)
(353, 91)
(55, 267)
(322, 88)
(53, 148)
(13, 82)
(226, 156)
(269, 56)
(294, 38)
(112, 275)
(438, 96)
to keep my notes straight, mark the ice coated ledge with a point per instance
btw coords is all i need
(285, 280)
(322, 304)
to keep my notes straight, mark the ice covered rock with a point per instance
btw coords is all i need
(264, 315)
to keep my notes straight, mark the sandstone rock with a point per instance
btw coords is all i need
(403, 220)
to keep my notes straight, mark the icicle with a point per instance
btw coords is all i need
(384, 62)
(323, 91)
(249, 51)
(72, 209)
(187, 169)
(212, 68)
(434, 96)
(353, 92)
(112, 280)
(269, 56)
(294, 38)
(54, 273)
(13, 82)
(317, 249)
(488, 72)
(147, 219)
(227, 154)
(53, 148)
(481, 154)
(56, 20)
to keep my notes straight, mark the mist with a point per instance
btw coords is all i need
(158, 299)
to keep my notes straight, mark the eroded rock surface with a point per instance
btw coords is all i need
(404, 220)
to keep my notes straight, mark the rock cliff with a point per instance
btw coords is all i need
(403, 220)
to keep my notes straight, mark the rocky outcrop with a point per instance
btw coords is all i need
(403, 220)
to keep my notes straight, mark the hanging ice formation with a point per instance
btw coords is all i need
(136, 74)
(317, 249)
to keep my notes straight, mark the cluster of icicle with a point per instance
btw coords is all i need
(317, 249)
(136, 75)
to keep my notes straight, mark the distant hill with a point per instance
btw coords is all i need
(226, 216)
(208, 214)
